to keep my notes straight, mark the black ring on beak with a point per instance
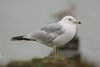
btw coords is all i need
(79, 22)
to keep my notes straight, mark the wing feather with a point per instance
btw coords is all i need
(48, 33)
(52, 27)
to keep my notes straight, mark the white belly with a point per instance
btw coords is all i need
(67, 36)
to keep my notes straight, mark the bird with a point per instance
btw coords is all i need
(54, 34)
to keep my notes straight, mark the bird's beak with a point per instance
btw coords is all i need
(78, 22)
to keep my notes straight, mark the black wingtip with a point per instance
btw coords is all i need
(19, 38)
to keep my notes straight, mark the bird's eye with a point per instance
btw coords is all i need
(69, 19)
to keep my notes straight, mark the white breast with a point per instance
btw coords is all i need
(69, 32)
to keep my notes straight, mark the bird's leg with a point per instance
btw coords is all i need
(56, 55)
(55, 52)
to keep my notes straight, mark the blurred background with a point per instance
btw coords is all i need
(18, 17)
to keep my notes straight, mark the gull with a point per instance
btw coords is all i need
(54, 34)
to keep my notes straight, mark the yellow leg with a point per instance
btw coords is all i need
(55, 52)
(56, 55)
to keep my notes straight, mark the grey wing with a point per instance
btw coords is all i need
(44, 37)
(52, 27)
(48, 33)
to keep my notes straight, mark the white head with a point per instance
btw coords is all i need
(70, 19)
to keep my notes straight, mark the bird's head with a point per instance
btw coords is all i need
(70, 19)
